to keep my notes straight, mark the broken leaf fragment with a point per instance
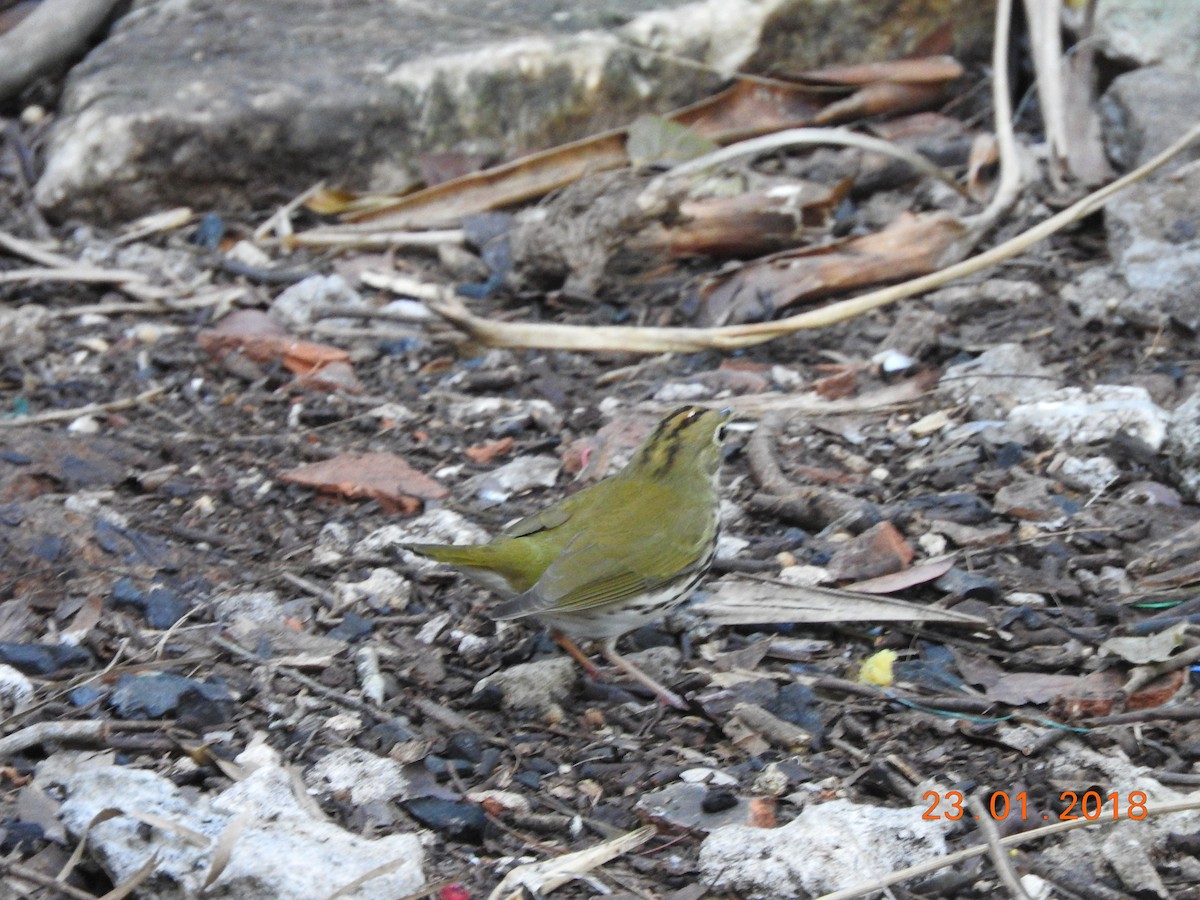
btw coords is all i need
(384, 477)
(1154, 648)
(653, 140)
(257, 336)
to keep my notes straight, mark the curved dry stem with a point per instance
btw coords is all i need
(1008, 188)
(617, 338)
(793, 137)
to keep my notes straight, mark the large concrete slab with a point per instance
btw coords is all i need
(240, 104)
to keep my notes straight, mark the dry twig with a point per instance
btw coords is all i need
(991, 834)
(41, 879)
(60, 415)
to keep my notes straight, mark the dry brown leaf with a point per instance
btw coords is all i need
(1021, 688)
(839, 385)
(748, 224)
(912, 245)
(749, 107)
(885, 97)
(928, 69)
(1068, 696)
(260, 338)
(384, 477)
(331, 201)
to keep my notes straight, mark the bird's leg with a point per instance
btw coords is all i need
(665, 696)
(576, 654)
(609, 648)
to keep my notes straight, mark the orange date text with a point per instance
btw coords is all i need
(1090, 805)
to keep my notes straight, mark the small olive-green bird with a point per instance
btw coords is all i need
(618, 554)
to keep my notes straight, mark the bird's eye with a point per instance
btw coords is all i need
(721, 432)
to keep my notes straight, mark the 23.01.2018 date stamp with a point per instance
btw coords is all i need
(1090, 805)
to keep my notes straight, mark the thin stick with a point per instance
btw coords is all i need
(996, 853)
(41, 879)
(58, 415)
(342, 237)
(220, 297)
(796, 137)
(135, 284)
(32, 252)
(81, 731)
(280, 221)
(84, 274)
(1143, 675)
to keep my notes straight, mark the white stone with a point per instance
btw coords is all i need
(996, 380)
(1072, 415)
(296, 306)
(16, 690)
(827, 847)
(539, 686)
(516, 477)
(361, 775)
(1095, 472)
(683, 393)
(1026, 598)
(281, 852)
(382, 589)
(437, 526)
(805, 576)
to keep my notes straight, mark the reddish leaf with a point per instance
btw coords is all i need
(1157, 692)
(485, 453)
(384, 477)
(259, 337)
(835, 387)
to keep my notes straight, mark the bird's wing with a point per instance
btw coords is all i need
(598, 574)
(543, 520)
(585, 503)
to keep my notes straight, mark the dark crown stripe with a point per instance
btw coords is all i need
(667, 435)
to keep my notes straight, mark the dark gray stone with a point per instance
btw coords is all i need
(1154, 237)
(1147, 110)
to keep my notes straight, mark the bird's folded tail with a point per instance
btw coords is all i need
(482, 563)
(452, 554)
